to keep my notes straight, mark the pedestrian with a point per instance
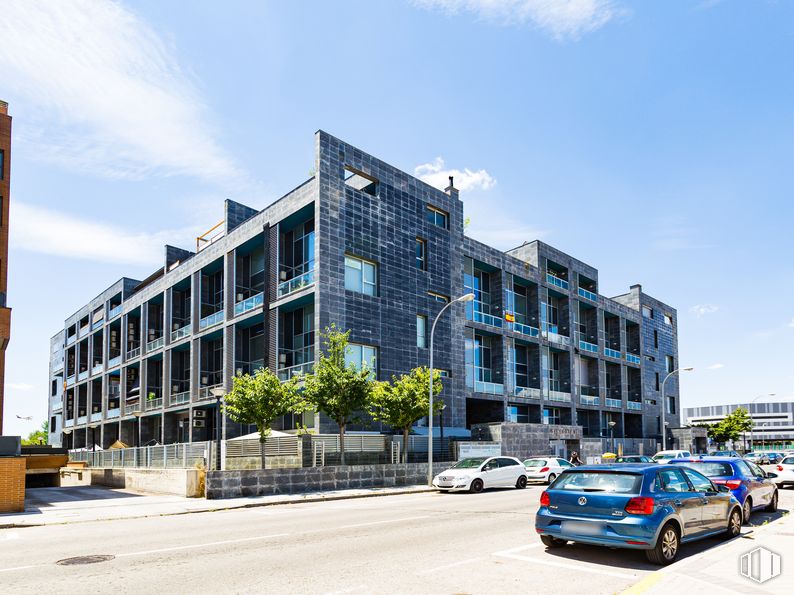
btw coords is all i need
(575, 460)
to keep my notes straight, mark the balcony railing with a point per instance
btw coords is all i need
(114, 361)
(587, 346)
(180, 333)
(179, 398)
(591, 391)
(527, 392)
(588, 295)
(68, 422)
(84, 330)
(115, 311)
(588, 400)
(70, 380)
(632, 359)
(71, 339)
(81, 420)
(205, 392)
(296, 283)
(96, 416)
(489, 388)
(611, 352)
(634, 405)
(285, 374)
(211, 320)
(525, 329)
(559, 339)
(156, 344)
(133, 353)
(97, 368)
(556, 281)
(82, 375)
(561, 397)
(488, 319)
(151, 404)
(255, 301)
(97, 324)
(112, 413)
(613, 403)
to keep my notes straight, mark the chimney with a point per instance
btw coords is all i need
(451, 190)
(3, 107)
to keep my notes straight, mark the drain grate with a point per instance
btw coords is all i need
(96, 559)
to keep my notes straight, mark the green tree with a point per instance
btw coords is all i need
(405, 400)
(40, 436)
(260, 399)
(732, 427)
(339, 390)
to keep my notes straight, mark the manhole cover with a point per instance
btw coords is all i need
(85, 560)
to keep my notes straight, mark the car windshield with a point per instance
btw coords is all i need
(599, 481)
(469, 463)
(627, 460)
(720, 453)
(534, 462)
(709, 469)
(663, 457)
(788, 461)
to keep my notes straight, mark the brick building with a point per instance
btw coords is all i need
(5, 189)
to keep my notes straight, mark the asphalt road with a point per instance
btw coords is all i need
(422, 543)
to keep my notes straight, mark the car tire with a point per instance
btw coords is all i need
(772, 507)
(667, 546)
(551, 478)
(552, 542)
(734, 523)
(521, 483)
(476, 486)
(747, 510)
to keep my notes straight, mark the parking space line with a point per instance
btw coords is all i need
(200, 545)
(582, 566)
(452, 565)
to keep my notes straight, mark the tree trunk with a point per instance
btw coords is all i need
(406, 431)
(262, 451)
(342, 443)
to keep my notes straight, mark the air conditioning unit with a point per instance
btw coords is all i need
(198, 423)
(199, 413)
(283, 275)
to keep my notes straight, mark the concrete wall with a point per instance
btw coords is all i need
(268, 482)
(178, 482)
(524, 440)
(272, 462)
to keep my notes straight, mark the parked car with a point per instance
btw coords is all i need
(651, 507)
(545, 469)
(759, 458)
(785, 472)
(725, 453)
(477, 474)
(665, 456)
(773, 457)
(752, 486)
(634, 459)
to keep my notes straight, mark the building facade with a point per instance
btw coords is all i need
(773, 429)
(5, 190)
(372, 249)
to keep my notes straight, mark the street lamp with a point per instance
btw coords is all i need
(664, 404)
(218, 392)
(751, 417)
(137, 415)
(469, 297)
(611, 425)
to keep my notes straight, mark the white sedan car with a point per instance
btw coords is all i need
(545, 469)
(785, 472)
(665, 456)
(478, 473)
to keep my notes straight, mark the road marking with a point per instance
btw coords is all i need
(645, 584)
(11, 535)
(410, 518)
(582, 566)
(16, 568)
(522, 548)
(348, 590)
(199, 545)
(445, 566)
(274, 511)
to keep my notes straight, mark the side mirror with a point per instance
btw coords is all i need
(723, 488)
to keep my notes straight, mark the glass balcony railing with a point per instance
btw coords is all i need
(205, 392)
(68, 422)
(211, 320)
(525, 329)
(97, 324)
(82, 420)
(285, 374)
(527, 392)
(632, 359)
(488, 319)
(71, 339)
(96, 416)
(559, 339)
(634, 405)
(251, 303)
(612, 353)
(113, 413)
(586, 346)
(180, 398)
(180, 333)
(97, 368)
(114, 312)
(156, 344)
(114, 361)
(613, 403)
(590, 391)
(593, 297)
(151, 404)
(84, 330)
(560, 397)
(82, 375)
(588, 400)
(296, 283)
(70, 380)
(556, 281)
(132, 353)
(489, 388)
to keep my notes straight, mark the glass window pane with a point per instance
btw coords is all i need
(352, 278)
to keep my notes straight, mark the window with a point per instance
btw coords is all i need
(551, 416)
(518, 414)
(421, 254)
(670, 361)
(444, 373)
(673, 480)
(655, 339)
(358, 180)
(668, 319)
(657, 380)
(505, 462)
(647, 312)
(438, 297)
(54, 389)
(53, 423)
(361, 276)
(1, 210)
(2, 165)
(361, 356)
(438, 217)
(421, 331)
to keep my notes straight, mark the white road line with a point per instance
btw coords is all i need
(199, 545)
(452, 565)
(410, 518)
(17, 568)
(10, 535)
(522, 548)
(581, 567)
(348, 590)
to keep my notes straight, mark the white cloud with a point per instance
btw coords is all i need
(38, 229)
(715, 366)
(561, 18)
(701, 310)
(19, 386)
(434, 174)
(791, 323)
(98, 90)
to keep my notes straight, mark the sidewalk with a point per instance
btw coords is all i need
(80, 504)
(717, 570)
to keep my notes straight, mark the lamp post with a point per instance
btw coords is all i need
(137, 414)
(751, 416)
(469, 297)
(664, 404)
(611, 425)
(218, 392)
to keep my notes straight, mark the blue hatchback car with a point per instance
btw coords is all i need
(753, 487)
(650, 507)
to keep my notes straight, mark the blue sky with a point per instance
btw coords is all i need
(652, 140)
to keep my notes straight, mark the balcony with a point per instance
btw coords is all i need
(71, 339)
(634, 405)
(559, 397)
(180, 333)
(205, 392)
(82, 420)
(285, 374)
(617, 403)
(70, 380)
(589, 295)
(589, 400)
(556, 281)
(527, 393)
(82, 375)
(251, 303)
(96, 416)
(114, 361)
(633, 359)
(179, 398)
(612, 353)
(97, 369)
(525, 329)
(97, 324)
(156, 344)
(487, 319)
(589, 347)
(296, 284)
(559, 339)
(211, 320)
(84, 330)
(489, 388)
(114, 312)
(152, 404)
(68, 423)
(113, 413)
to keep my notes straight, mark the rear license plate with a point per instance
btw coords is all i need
(581, 528)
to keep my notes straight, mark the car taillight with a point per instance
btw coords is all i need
(732, 484)
(640, 505)
(543, 470)
(780, 467)
(544, 498)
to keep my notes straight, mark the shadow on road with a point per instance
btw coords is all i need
(38, 499)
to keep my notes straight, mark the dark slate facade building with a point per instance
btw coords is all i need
(374, 250)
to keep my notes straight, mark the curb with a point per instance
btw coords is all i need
(308, 499)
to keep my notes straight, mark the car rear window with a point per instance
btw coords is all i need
(469, 463)
(534, 462)
(788, 461)
(709, 469)
(599, 481)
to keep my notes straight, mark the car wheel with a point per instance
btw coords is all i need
(522, 482)
(666, 549)
(747, 510)
(551, 478)
(476, 486)
(550, 541)
(734, 524)
(772, 503)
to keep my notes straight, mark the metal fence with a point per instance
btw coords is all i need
(173, 456)
(277, 446)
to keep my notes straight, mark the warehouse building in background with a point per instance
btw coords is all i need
(374, 250)
(773, 423)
